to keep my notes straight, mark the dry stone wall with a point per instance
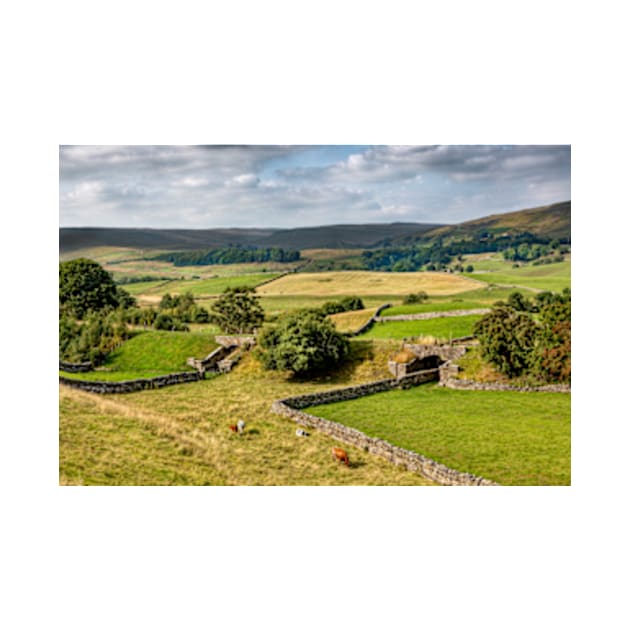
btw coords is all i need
(455, 383)
(123, 387)
(369, 323)
(291, 408)
(75, 367)
(432, 315)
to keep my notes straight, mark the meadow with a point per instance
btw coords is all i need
(364, 283)
(179, 435)
(513, 438)
(442, 328)
(151, 353)
(552, 277)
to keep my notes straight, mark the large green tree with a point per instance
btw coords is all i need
(302, 342)
(507, 339)
(237, 311)
(85, 286)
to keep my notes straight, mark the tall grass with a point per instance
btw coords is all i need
(193, 420)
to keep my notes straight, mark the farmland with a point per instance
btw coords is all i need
(443, 328)
(552, 277)
(151, 353)
(179, 435)
(510, 437)
(364, 283)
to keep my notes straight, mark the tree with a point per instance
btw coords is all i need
(303, 342)
(85, 286)
(238, 310)
(553, 360)
(507, 339)
(416, 298)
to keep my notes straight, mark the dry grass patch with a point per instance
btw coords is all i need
(195, 418)
(336, 283)
(351, 320)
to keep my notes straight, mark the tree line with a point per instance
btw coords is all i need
(228, 256)
(436, 255)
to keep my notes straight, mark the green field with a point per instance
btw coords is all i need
(208, 286)
(553, 277)
(441, 328)
(432, 306)
(512, 438)
(149, 354)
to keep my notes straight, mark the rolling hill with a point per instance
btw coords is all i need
(327, 236)
(552, 221)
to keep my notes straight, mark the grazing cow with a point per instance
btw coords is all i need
(240, 425)
(301, 433)
(338, 454)
(234, 428)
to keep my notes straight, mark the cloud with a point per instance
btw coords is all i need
(224, 186)
(247, 180)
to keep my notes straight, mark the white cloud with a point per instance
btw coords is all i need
(246, 180)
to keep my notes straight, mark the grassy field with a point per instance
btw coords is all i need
(553, 277)
(364, 283)
(163, 269)
(209, 286)
(351, 320)
(151, 353)
(277, 304)
(512, 438)
(180, 435)
(443, 328)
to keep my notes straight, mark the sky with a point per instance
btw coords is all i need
(212, 186)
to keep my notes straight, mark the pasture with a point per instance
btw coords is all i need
(151, 353)
(351, 320)
(180, 436)
(443, 328)
(513, 438)
(363, 283)
(552, 277)
(201, 287)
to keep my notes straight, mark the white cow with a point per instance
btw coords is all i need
(301, 433)
(240, 425)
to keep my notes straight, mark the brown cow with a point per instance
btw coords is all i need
(234, 428)
(338, 454)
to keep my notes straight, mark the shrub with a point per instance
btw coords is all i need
(302, 342)
(416, 298)
(507, 339)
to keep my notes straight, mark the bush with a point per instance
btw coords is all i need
(346, 304)
(507, 339)
(94, 339)
(302, 342)
(416, 298)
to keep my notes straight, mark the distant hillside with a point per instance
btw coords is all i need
(329, 236)
(553, 221)
(344, 236)
(71, 239)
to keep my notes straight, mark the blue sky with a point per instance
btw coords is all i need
(292, 186)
